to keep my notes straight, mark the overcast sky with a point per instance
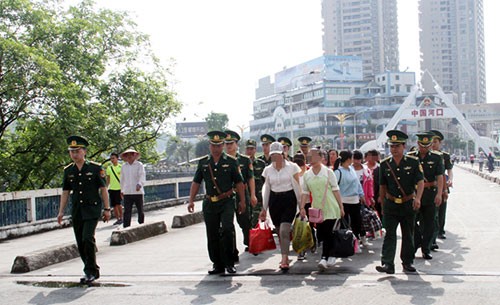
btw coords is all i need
(222, 47)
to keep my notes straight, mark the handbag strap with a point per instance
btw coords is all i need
(326, 189)
(213, 179)
(115, 173)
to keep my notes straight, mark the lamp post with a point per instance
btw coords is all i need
(291, 101)
(342, 117)
(356, 127)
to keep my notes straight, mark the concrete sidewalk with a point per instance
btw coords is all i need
(23, 245)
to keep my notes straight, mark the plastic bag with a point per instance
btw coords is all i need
(261, 238)
(302, 235)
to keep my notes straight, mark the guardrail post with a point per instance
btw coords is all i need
(31, 208)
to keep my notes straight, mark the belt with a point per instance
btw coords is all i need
(281, 193)
(400, 200)
(430, 184)
(215, 198)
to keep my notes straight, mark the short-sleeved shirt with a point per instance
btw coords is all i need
(226, 173)
(316, 185)
(85, 184)
(281, 181)
(114, 183)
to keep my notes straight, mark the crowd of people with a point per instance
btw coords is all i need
(406, 189)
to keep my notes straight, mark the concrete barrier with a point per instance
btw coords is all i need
(181, 221)
(133, 234)
(43, 258)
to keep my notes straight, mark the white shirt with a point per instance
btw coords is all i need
(131, 175)
(281, 181)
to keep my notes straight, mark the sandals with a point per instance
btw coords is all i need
(284, 266)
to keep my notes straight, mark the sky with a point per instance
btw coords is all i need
(222, 47)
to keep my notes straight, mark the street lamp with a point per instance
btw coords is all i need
(355, 126)
(342, 117)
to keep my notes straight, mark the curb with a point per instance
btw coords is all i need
(43, 258)
(483, 175)
(133, 234)
(181, 221)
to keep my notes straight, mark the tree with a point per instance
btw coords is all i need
(74, 71)
(201, 148)
(216, 121)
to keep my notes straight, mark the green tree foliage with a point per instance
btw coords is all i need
(201, 148)
(77, 70)
(216, 121)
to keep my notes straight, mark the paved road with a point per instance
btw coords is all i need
(171, 269)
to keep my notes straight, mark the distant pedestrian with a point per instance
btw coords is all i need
(86, 180)
(113, 182)
(480, 160)
(132, 180)
(471, 158)
(491, 162)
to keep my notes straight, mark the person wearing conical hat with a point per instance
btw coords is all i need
(246, 169)
(86, 180)
(399, 174)
(266, 141)
(433, 168)
(132, 180)
(447, 184)
(221, 173)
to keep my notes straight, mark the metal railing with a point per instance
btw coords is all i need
(26, 207)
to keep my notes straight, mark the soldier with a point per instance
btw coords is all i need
(266, 141)
(246, 169)
(287, 143)
(433, 168)
(258, 168)
(221, 173)
(304, 144)
(86, 179)
(447, 183)
(398, 176)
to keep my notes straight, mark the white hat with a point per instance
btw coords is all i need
(276, 148)
(130, 150)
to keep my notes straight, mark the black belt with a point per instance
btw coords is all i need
(281, 193)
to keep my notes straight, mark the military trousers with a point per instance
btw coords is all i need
(244, 219)
(425, 221)
(404, 216)
(439, 221)
(219, 224)
(84, 234)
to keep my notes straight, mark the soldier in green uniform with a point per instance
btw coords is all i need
(258, 168)
(246, 169)
(433, 168)
(287, 143)
(398, 176)
(87, 181)
(266, 141)
(447, 183)
(221, 174)
(304, 144)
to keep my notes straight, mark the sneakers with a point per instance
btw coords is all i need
(301, 256)
(331, 261)
(322, 265)
(118, 222)
(364, 242)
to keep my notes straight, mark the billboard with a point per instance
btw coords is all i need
(191, 129)
(343, 68)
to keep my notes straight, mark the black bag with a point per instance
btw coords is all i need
(343, 239)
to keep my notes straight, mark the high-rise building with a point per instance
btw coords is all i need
(364, 28)
(452, 46)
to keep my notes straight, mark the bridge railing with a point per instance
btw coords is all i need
(28, 207)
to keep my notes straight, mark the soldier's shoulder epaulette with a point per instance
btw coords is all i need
(244, 156)
(445, 153)
(412, 153)
(198, 159)
(69, 165)
(95, 163)
(412, 157)
(231, 157)
(386, 159)
(258, 160)
(436, 152)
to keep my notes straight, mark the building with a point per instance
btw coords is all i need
(364, 28)
(327, 99)
(191, 131)
(452, 46)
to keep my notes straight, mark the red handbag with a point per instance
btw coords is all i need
(261, 238)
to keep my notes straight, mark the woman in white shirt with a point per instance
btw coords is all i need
(321, 183)
(280, 194)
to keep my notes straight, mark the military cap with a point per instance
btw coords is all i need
(265, 138)
(216, 137)
(424, 138)
(285, 141)
(76, 142)
(251, 143)
(304, 141)
(437, 134)
(396, 137)
(231, 136)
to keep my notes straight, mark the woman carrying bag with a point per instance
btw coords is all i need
(322, 184)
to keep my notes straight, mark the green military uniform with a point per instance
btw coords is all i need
(219, 213)
(288, 143)
(441, 210)
(398, 208)
(86, 204)
(433, 168)
(266, 139)
(258, 168)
